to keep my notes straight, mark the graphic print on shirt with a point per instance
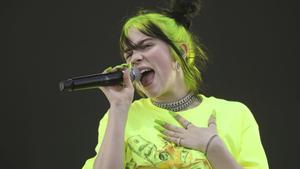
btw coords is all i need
(168, 156)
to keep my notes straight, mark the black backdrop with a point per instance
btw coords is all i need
(253, 47)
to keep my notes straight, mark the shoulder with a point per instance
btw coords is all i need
(225, 105)
(230, 110)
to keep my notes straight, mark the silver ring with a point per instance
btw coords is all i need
(178, 141)
(187, 125)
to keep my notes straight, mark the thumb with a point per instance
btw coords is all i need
(212, 119)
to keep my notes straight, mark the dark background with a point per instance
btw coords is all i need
(252, 44)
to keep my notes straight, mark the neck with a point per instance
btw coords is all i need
(187, 102)
(171, 97)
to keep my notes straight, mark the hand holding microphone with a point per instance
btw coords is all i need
(110, 77)
(115, 83)
(120, 96)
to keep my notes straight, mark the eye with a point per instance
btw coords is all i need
(146, 46)
(128, 54)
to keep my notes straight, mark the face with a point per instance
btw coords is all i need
(160, 79)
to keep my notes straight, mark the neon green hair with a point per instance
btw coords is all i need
(160, 26)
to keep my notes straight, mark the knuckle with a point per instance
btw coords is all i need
(168, 126)
(170, 133)
(182, 120)
(166, 132)
(175, 128)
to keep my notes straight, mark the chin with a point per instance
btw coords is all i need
(150, 94)
(153, 93)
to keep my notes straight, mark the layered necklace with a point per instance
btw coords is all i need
(178, 105)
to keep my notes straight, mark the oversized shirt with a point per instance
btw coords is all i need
(235, 123)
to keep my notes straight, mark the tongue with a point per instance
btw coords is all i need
(147, 78)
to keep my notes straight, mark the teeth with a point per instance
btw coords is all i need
(145, 70)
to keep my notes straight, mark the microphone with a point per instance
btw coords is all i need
(97, 80)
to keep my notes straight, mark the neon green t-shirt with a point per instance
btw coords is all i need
(236, 126)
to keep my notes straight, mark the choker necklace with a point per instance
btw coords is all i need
(179, 104)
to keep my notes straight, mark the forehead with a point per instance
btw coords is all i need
(136, 36)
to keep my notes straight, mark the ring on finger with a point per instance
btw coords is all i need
(211, 124)
(178, 141)
(187, 125)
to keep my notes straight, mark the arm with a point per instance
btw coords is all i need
(111, 153)
(249, 154)
(204, 139)
(219, 157)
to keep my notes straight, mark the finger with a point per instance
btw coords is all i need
(169, 138)
(166, 126)
(174, 128)
(107, 70)
(172, 133)
(185, 123)
(212, 120)
(120, 67)
(161, 123)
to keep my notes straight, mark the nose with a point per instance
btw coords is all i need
(136, 58)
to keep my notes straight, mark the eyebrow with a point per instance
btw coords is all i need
(144, 40)
(139, 43)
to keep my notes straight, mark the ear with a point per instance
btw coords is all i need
(184, 49)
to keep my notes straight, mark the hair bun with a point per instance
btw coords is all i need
(183, 11)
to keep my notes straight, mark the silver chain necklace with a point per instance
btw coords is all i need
(179, 104)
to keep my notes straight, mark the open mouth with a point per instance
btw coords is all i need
(147, 76)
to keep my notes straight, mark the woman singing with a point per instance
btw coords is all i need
(173, 125)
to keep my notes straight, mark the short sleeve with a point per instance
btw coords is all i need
(101, 130)
(251, 154)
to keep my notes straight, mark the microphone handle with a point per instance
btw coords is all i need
(92, 81)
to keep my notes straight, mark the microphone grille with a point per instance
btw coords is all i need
(135, 74)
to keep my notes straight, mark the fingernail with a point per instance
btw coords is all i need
(159, 128)
(162, 123)
(173, 113)
(118, 67)
(108, 69)
(125, 70)
(162, 136)
(125, 65)
(214, 114)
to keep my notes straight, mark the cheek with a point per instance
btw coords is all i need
(164, 67)
(161, 60)
(161, 56)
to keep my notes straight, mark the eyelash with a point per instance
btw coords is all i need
(128, 55)
(146, 46)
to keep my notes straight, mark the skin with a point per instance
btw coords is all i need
(198, 138)
(168, 85)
